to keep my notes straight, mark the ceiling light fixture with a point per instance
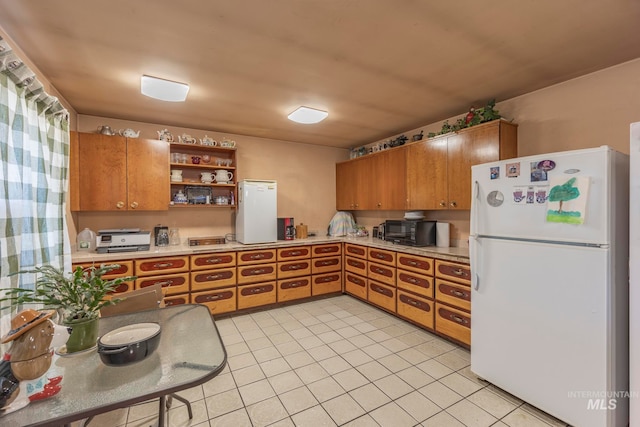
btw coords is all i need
(164, 90)
(307, 115)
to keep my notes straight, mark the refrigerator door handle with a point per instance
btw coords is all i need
(475, 279)
(474, 208)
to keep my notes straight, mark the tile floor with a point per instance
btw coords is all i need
(337, 362)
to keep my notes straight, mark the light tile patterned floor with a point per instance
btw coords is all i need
(338, 362)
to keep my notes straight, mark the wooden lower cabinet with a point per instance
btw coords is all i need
(256, 295)
(211, 279)
(326, 264)
(172, 284)
(355, 265)
(382, 295)
(176, 300)
(454, 294)
(155, 266)
(381, 273)
(326, 283)
(125, 268)
(355, 285)
(453, 323)
(292, 289)
(415, 308)
(217, 300)
(415, 283)
(257, 273)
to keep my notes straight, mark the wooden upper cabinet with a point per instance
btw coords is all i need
(388, 180)
(117, 173)
(480, 144)
(372, 182)
(427, 174)
(439, 169)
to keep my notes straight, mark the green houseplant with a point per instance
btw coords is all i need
(77, 297)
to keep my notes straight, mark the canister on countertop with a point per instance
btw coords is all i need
(301, 231)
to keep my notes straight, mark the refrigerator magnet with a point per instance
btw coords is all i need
(519, 195)
(495, 198)
(494, 172)
(530, 195)
(546, 165)
(541, 194)
(537, 174)
(513, 170)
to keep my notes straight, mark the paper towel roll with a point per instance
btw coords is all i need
(442, 234)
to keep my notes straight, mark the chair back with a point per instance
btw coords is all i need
(146, 298)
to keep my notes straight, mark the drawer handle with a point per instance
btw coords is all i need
(295, 267)
(213, 260)
(214, 276)
(458, 293)
(379, 255)
(257, 256)
(325, 263)
(259, 290)
(163, 265)
(457, 319)
(413, 280)
(165, 283)
(413, 263)
(458, 272)
(325, 279)
(297, 284)
(259, 271)
(214, 297)
(295, 253)
(412, 302)
(378, 270)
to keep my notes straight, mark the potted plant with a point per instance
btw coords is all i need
(77, 297)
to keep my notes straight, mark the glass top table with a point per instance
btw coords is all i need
(190, 353)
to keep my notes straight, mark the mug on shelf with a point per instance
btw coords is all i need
(223, 176)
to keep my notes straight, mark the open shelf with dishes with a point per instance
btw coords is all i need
(202, 176)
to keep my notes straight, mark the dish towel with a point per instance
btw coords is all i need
(341, 224)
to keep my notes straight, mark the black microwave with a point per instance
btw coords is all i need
(410, 232)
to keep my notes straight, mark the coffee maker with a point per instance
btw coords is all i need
(286, 229)
(161, 235)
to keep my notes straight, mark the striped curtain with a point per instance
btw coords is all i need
(34, 150)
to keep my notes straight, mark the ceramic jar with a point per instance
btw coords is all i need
(206, 177)
(223, 176)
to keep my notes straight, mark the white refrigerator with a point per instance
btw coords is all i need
(257, 215)
(634, 271)
(549, 259)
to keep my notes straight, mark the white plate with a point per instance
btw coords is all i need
(130, 334)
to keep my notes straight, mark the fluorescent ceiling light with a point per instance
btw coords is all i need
(164, 90)
(307, 115)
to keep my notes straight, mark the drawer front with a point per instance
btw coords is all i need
(355, 265)
(148, 267)
(381, 256)
(382, 295)
(453, 323)
(294, 269)
(218, 301)
(355, 250)
(326, 283)
(176, 300)
(257, 273)
(418, 264)
(290, 289)
(414, 308)
(454, 294)
(256, 257)
(382, 273)
(171, 283)
(125, 268)
(355, 285)
(326, 264)
(212, 279)
(460, 273)
(298, 252)
(256, 295)
(416, 283)
(207, 261)
(326, 250)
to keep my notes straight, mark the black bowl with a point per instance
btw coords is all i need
(129, 344)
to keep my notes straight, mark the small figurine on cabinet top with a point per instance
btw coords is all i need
(165, 135)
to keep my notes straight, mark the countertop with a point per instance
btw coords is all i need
(449, 254)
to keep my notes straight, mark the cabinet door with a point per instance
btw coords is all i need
(475, 146)
(345, 186)
(387, 180)
(147, 174)
(102, 172)
(427, 174)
